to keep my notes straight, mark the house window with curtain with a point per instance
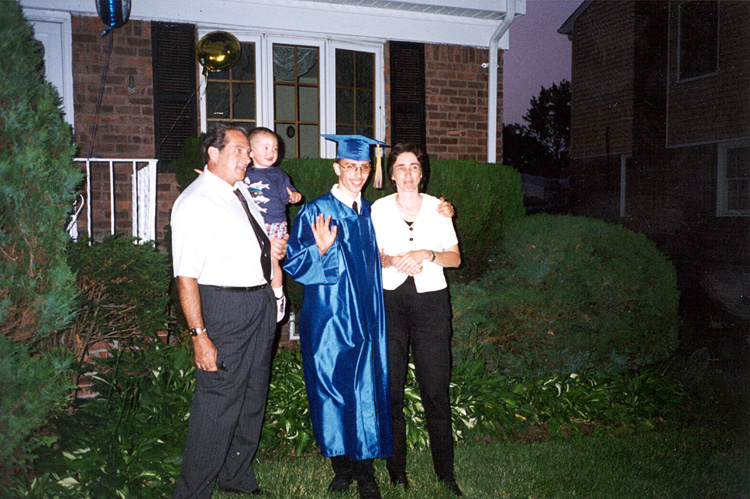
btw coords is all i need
(698, 42)
(296, 90)
(734, 179)
(355, 93)
(230, 95)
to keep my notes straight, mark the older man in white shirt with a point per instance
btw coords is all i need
(222, 267)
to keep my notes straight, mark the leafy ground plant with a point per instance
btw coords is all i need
(127, 442)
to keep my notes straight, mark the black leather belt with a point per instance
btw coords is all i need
(240, 289)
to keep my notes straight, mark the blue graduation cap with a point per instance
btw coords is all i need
(357, 148)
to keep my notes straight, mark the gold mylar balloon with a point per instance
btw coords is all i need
(218, 51)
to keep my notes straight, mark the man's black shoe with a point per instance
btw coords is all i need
(400, 479)
(452, 486)
(368, 489)
(339, 484)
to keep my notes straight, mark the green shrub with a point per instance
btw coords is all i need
(32, 389)
(123, 292)
(572, 294)
(36, 191)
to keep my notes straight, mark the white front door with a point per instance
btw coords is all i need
(53, 31)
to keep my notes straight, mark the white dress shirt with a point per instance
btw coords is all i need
(212, 239)
(346, 198)
(429, 231)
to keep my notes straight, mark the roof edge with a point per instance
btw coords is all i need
(567, 26)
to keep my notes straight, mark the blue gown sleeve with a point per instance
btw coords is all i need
(303, 260)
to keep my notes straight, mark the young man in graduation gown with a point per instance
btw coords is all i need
(332, 251)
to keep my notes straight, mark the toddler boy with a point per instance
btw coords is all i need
(271, 190)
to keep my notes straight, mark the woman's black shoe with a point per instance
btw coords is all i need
(452, 486)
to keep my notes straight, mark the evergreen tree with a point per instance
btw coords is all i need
(37, 188)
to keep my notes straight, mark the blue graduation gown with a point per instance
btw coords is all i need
(342, 331)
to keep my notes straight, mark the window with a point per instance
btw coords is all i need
(355, 93)
(296, 87)
(698, 43)
(308, 87)
(733, 191)
(230, 95)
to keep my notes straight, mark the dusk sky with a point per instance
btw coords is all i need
(538, 57)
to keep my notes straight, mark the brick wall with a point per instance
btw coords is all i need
(716, 106)
(602, 75)
(456, 102)
(126, 118)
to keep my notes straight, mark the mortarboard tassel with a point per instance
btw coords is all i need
(378, 180)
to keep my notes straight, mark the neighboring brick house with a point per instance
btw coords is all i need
(660, 137)
(410, 70)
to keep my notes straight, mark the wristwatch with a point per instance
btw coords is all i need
(195, 331)
(433, 256)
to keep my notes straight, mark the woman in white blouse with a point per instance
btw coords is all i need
(416, 243)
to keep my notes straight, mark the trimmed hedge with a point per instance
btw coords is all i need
(571, 294)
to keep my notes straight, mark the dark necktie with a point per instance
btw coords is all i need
(354, 207)
(263, 241)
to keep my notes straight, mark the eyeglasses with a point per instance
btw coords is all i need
(350, 169)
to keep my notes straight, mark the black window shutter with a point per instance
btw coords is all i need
(175, 103)
(407, 93)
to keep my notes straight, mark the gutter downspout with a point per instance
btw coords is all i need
(510, 14)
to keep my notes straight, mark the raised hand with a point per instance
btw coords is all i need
(323, 233)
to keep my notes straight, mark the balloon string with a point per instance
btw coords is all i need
(95, 126)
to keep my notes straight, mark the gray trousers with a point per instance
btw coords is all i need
(228, 406)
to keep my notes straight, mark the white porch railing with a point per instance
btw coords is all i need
(143, 196)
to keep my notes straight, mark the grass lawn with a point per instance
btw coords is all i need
(698, 462)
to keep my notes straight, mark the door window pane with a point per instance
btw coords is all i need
(285, 103)
(309, 141)
(217, 101)
(230, 94)
(296, 74)
(308, 104)
(355, 92)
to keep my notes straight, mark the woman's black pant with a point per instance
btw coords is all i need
(421, 321)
